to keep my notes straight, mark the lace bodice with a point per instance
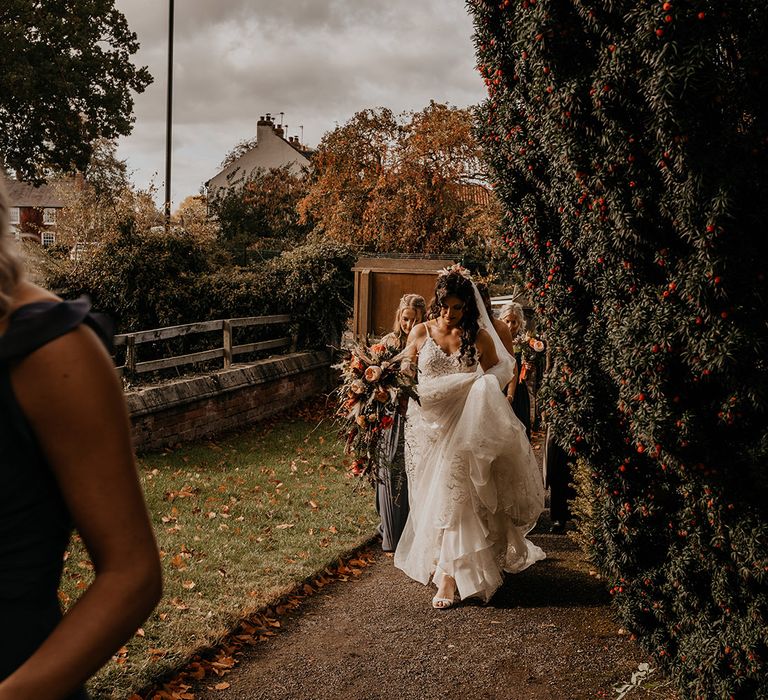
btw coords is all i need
(435, 362)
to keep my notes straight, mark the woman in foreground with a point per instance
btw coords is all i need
(474, 485)
(67, 461)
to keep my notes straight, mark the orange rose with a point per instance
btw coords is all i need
(373, 374)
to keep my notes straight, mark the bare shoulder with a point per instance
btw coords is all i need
(64, 370)
(419, 331)
(417, 336)
(28, 293)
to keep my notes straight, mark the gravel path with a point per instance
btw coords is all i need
(546, 634)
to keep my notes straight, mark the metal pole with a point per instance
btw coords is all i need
(168, 119)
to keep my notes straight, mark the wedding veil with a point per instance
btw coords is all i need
(504, 370)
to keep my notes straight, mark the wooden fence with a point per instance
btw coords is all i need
(227, 351)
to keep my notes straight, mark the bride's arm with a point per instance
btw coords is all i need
(413, 344)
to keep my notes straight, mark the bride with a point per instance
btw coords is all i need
(475, 489)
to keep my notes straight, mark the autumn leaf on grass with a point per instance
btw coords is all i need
(221, 686)
(178, 603)
(189, 585)
(284, 526)
(178, 561)
(313, 505)
(171, 517)
(184, 492)
(121, 655)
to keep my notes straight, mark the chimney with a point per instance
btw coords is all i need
(263, 128)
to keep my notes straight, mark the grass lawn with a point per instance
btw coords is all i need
(239, 522)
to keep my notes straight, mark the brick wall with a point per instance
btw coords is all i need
(199, 407)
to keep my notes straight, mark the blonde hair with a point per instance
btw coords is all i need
(414, 302)
(10, 266)
(513, 309)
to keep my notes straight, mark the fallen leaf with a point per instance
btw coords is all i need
(284, 526)
(177, 561)
(221, 686)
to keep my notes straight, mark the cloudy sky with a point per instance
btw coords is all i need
(317, 61)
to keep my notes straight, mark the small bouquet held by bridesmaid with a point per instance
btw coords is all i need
(530, 348)
(375, 381)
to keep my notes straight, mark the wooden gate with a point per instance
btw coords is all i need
(379, 284)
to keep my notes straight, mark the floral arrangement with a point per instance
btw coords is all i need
(374, 383)
(458, 269)
(530, 347)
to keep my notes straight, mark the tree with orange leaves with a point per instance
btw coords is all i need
(408, 184)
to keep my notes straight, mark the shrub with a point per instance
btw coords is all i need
(146, 279)
(316, 283)
(628, 142)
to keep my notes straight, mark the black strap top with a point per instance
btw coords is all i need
(34, 522)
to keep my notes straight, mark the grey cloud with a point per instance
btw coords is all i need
(319, 61)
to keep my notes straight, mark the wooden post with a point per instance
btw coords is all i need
(130, 356)
(294, 330)
(227, 326)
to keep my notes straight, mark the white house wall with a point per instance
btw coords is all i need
(271, 151)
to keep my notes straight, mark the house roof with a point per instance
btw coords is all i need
(474, 193)
(22, 194)
(277, 132)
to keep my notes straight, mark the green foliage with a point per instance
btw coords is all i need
(149, 279)
(629, 144)
(262, 212)
(315, 281)
(65, 80)
(143, 279)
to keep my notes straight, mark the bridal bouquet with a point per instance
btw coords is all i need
(374, 382)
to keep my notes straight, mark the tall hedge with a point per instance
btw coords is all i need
(628, 142)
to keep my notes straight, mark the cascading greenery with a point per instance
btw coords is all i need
(629, 143)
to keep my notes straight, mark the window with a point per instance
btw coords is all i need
(48, 238)
(49, 215)
(15, 215)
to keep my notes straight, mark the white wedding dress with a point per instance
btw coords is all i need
(475, 489)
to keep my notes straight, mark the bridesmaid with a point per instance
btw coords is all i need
(517, 391)
(392, 489)
(66, 460)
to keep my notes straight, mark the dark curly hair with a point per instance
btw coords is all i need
(453, 284)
